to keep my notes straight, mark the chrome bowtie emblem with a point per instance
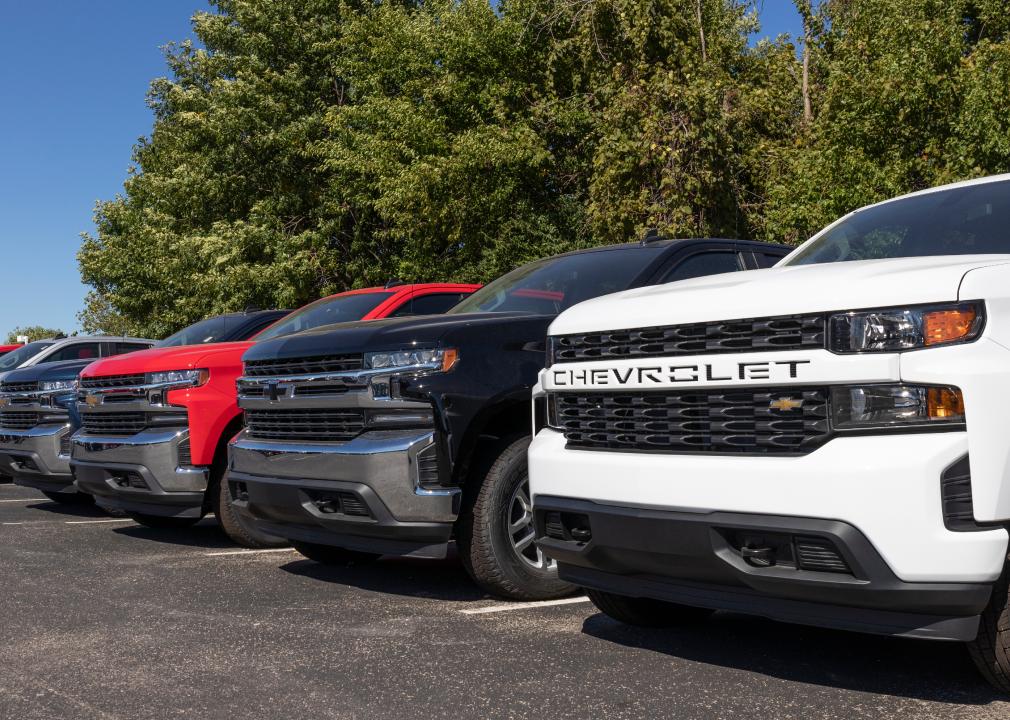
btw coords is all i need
(785, 404)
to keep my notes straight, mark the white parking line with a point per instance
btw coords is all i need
(24, 500)
(524, 606)
(95, 522)
(249, 552)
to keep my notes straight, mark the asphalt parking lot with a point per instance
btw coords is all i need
(102, 618)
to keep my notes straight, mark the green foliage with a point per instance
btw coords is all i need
(310, 146)
(911, 94)
(33, 332)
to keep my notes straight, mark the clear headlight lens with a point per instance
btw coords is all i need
(897, 329)
(895, 406)
(178, 377)
(431, 360)
(58, 385)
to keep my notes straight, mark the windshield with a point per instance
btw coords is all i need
(211, 330)
(336, 309)
(24, 353)
(546, 287)
(970, 220)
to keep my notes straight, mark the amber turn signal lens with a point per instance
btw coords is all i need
(944, 404)
(449, 358)
(943, 326)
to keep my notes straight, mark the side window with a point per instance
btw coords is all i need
(121, 348)
(433, 304)
(764, 260)
(700, 264)
(78, 351)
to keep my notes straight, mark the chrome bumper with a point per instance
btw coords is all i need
(34, 459)
(362, 494)
(140, 473)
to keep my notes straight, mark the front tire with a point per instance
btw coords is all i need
(645, 612)
(990, 650)
(334, 556)
(235, 525)
(71, 498)
(496, 534)
(162, 522)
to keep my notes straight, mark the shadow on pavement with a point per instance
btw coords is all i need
(431, 579)
(923, 670)
(207, 534)
(70, 510)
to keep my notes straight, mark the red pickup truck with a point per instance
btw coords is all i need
(155, 424)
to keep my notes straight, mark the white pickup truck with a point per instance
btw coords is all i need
(824, 442)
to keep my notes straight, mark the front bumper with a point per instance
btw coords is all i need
(363, 494)
(140, 473)
(36, 457)
(886, 486)
(700, 559)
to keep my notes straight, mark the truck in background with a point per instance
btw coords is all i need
(156, 424)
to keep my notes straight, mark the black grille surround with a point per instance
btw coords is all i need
(789, 332)
(112, 381)
(19, 387)
(729, 421)
(311, 425)
(19, 420)
(130, 423)
(315, 365)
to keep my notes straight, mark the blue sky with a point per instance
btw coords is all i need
(74, 77)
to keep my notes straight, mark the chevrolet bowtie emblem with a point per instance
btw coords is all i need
(272, 391)
(92, 400)
(785, 404)
(5, 401)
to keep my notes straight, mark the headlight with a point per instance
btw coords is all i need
(57, 385)
(895, 406)
(434, 360)
(897, 329)
(181, 378)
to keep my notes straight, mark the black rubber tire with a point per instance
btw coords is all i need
(645, 612)
(162, 522)
(483, 539)
(335, 556)
(235, 525)
(75, 498)
(990, 650)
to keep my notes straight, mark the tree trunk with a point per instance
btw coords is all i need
(701, 30)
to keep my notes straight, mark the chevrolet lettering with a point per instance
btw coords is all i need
(838, 457)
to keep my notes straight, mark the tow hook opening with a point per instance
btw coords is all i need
(572, 527)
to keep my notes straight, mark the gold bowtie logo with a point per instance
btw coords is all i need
(5, 401)
(92, 400)
(785, 404)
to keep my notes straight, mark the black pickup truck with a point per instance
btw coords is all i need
(395, 437)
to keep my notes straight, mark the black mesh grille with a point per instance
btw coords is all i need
(819, 555)
(323, 425)
(778, 333)
(18, 420)
(303, 366)
(113, 381)
(18, 387)
(129, 423)
(718, 421)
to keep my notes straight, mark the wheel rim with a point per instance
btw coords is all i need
(521, 531)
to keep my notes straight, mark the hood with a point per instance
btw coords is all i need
(185, 357)
(387, 334)
(63, 370)
(781, 290)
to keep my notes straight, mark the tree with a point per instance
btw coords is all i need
(912, 94)
(33, 332)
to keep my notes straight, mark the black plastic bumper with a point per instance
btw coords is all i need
(99, 480)
(751, 564)
(295, 510)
